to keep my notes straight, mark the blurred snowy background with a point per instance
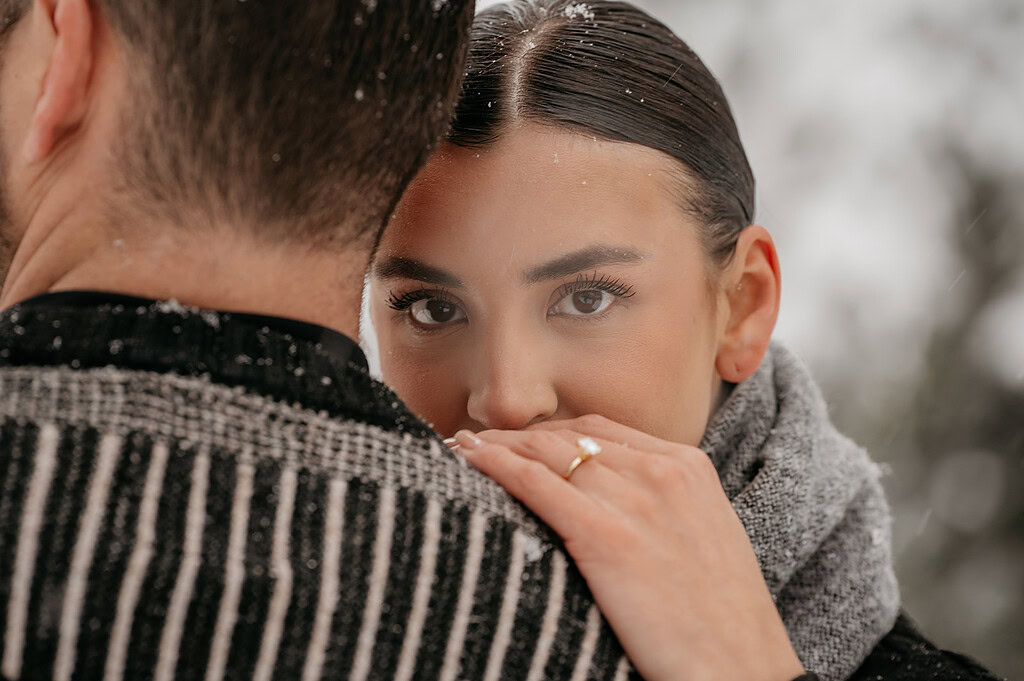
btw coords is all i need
(887, 138)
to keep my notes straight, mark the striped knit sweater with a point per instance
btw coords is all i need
(188, 494)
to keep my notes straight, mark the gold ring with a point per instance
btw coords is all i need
(588, 450)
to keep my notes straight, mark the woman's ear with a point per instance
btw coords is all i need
(751, 286)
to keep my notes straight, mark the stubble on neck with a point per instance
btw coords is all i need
(6, 246)
(6, 223)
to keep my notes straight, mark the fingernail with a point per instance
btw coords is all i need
(451, 443)
(468, 440)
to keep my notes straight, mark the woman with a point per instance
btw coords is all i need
(583, 244)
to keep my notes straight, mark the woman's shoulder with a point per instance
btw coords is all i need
(905, 653)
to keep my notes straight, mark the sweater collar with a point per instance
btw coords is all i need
(285, 359)
(337, 344)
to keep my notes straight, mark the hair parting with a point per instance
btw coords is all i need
(611, 71)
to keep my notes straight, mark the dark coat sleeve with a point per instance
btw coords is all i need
(906, 655)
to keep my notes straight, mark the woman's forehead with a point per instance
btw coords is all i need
(514, 210)
(536, 152)
(537, 177)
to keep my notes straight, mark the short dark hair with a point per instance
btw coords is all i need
(297, 117)
(609, 69)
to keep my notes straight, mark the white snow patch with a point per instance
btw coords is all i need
(172, 306)
(579, 10)
(532, 549)
(211, 318)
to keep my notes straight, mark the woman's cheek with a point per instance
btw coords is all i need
(645, 379)
(428, 383)
(613, 378)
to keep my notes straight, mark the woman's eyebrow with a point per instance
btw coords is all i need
(404, 268)
(587, 258)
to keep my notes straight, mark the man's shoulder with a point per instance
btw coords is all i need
(233, 422)
(390, 542)
(276, 391)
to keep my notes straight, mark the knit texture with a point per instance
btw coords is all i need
(188, 494)
(815, 512)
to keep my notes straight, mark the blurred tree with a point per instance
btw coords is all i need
(955, 438)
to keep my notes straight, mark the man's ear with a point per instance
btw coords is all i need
(64, 29)
(750, 294)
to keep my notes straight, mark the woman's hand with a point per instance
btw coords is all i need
(651, 530)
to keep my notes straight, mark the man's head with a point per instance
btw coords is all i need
(299, 122)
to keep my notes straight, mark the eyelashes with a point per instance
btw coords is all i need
(598, 282)
(403, 301)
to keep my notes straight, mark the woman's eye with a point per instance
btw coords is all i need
(435, 311)
(584, 303)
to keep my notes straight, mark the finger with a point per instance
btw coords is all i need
(565, 508)
(600, 427)
(646, 461)
(614, 456)
(556, 450)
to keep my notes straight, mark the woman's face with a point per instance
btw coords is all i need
(547, 277)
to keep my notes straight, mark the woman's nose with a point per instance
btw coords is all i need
(513, 394)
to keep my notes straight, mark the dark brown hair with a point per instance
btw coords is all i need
(296, 117)
(610, 70)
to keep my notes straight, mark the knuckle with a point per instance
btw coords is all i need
(689, 468)
(565, 435)
(542, 441)
(672, 477)
(528, 474)
(593, 421)
(660, 468)
(490, 455)
(700, 462)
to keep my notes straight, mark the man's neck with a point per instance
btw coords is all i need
(202, 269)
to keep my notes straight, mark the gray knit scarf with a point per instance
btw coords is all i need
(814, 509)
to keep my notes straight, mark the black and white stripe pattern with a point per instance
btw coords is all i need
(143, 540)
(421, 596)
(329, 594)
(282, 571)
(174, 625)
(231, 420)
(141, 555)
(45, 462)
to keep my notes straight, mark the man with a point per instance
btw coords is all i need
(198, 479)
